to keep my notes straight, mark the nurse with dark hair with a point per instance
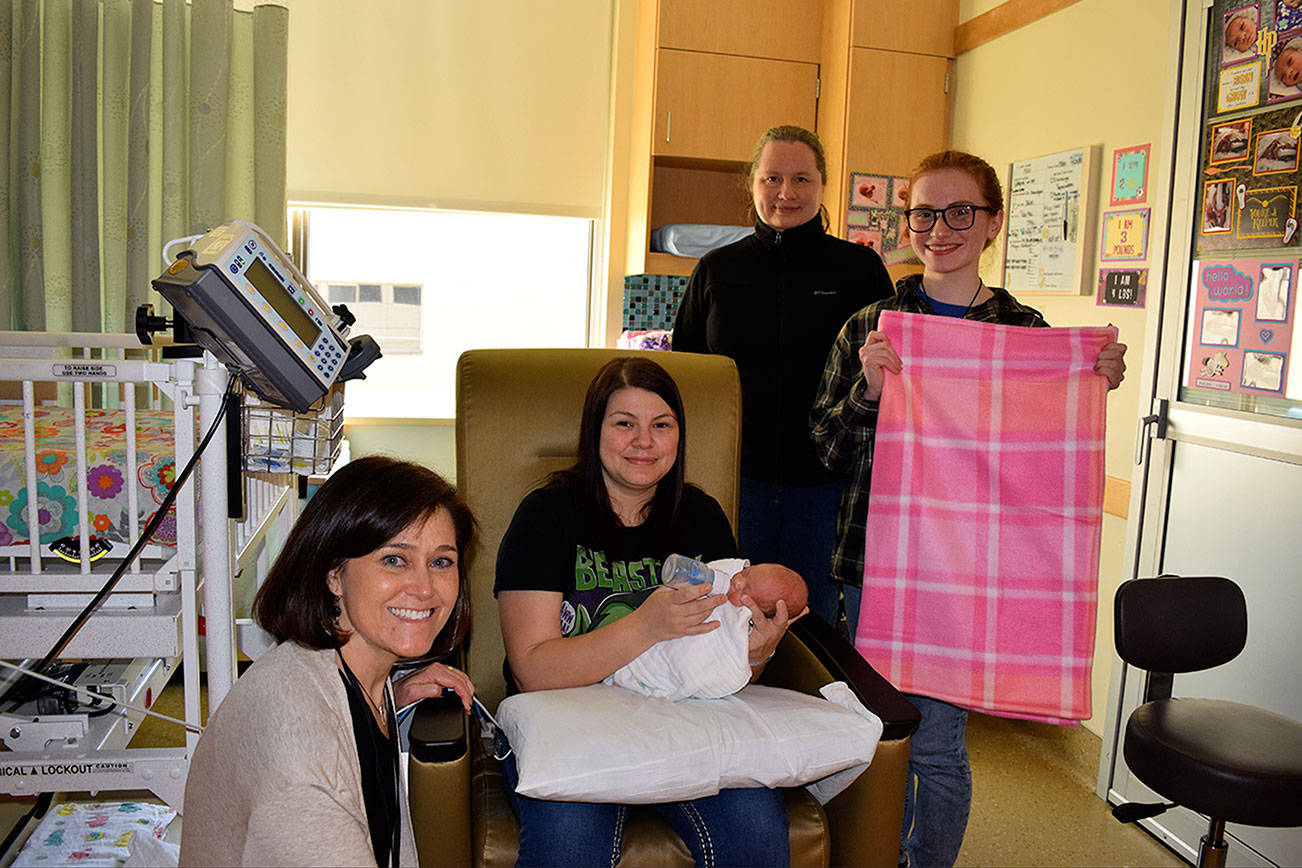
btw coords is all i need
(299, 764)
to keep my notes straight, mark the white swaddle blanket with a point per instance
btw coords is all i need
(706, 666)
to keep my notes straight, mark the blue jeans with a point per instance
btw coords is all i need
(938, 793)
(734, 827)
(793, 525)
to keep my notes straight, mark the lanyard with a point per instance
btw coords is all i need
(394, 823)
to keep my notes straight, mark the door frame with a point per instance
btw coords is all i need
(1169, 421)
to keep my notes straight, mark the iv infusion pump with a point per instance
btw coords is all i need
(249, 306)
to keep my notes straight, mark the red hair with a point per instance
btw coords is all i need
(987, 180)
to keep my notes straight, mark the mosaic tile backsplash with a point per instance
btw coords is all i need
(651, 300)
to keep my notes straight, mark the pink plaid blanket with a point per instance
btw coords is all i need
(984, 515)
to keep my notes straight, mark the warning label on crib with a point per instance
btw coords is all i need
(57, 769)
(85, 371)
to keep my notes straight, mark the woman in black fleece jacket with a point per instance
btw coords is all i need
(774, 302)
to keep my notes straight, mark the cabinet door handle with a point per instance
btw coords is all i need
(669, 123)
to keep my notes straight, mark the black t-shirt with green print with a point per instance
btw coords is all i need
(552, 544)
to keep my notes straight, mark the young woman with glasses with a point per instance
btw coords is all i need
(955, 212)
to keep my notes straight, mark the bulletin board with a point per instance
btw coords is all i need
(1248, 190)
(875, 216)
(1253, 54)
(1051, 210)
(1243, 325)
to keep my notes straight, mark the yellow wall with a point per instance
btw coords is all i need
(429, 442)
(499, 105)
(1071, 79)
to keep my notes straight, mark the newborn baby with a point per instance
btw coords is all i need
(715, 664)
(1286, 70)
(768, 583)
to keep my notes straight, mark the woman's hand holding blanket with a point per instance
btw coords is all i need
(1111, 363)
(875, 355)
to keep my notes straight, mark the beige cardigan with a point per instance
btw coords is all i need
(275, 778)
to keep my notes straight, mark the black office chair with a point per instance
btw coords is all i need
(1229, 761)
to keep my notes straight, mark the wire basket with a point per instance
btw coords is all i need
(277, 440)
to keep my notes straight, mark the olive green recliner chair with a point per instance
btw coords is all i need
(517, 420)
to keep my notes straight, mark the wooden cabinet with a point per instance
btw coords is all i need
(725, 71)
(784, 29)
(898, 110)
(871, 77)
(691, 192)
(916, 26)
(686, 193)
(714, 106)
(887, 103)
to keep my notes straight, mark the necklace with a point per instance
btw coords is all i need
(381, 717)
(980, 285)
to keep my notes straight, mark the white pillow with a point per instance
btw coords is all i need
(605, 744)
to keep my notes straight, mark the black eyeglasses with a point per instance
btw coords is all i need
(956, 217)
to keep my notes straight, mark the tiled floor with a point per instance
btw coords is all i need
(1033, 801)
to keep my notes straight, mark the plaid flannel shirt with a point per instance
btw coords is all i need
(843, 422)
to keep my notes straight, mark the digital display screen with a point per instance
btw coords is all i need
(284, 304)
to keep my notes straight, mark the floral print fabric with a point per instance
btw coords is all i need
(107, 478)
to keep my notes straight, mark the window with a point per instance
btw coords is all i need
(428, 285)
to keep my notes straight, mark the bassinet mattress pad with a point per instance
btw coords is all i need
(985, 514)
(108, 477)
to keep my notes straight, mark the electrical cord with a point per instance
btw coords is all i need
(65, 672)
(97, 697)
(58, 697)
(147, 534)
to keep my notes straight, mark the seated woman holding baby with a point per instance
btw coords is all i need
(579, 596)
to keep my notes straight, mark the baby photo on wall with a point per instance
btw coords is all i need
(871, 238)
(1230, 141)
(1240, 35)
(1276, 152)
(1217, 196)
(1243, 318)
(900, 189)
(1220, 328)
(1285, 79)
(1273, 291)
(868, 191)
(1263, 371)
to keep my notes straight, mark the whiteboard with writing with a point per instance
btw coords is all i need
(1050, 222)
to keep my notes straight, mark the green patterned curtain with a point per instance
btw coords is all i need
(129, 123)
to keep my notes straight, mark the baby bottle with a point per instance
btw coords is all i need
(682, 571)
